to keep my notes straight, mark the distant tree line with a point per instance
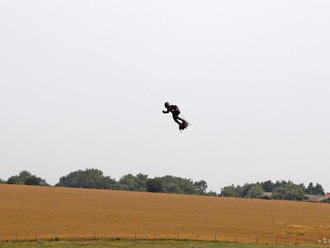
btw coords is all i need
(94, 179)
(283, 190)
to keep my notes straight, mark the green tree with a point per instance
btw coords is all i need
(314, 190)
(2, 181)
(245, 189)
(155, 185)
(33, 181)
(255, 191)
(89, 178)
(25, 177)
(279, 184)
(20, 178)
(310, 189)
(231, 191)
(267, 186)
(280, 189)
(134, 183)
(171, 184)
(289, 191)
(200, 187)
(318, 189)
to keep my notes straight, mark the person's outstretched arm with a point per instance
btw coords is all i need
(166, 111)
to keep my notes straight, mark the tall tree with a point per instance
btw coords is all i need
(318, 189)
(314, 190)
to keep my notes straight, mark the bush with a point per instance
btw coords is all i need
(315, 190)
(210, 193)
(33, 180)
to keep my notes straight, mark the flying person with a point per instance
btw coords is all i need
(174, 110)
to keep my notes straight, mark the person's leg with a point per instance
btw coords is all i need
(184, 123)
(176, 119)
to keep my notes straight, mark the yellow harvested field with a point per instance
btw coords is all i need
(28, 212)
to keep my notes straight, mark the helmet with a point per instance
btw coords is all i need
(167, 104)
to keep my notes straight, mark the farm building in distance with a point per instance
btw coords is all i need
(318, 198)
(311, 198)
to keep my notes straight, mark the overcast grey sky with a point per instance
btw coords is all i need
(82, 85)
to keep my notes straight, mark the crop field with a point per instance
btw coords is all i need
(136, 244)
(36, 213)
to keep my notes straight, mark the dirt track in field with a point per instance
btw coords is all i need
(28, 212)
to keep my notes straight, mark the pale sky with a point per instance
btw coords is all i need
(83, 83)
